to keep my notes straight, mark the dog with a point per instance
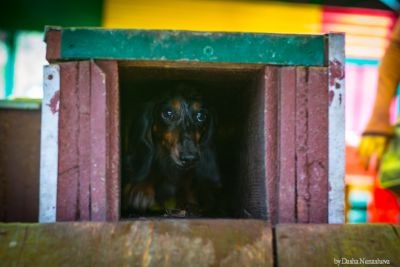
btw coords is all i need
(173, 164)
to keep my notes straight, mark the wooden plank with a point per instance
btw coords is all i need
(53, 41)
(98, 144)
(317, 154)
(49, 144)
(337, 245)
(110, 69)
(68, 169)
(302, 183)
(287, 145)
(271, 140)
(81, 43)
(252, 169)
(84, 139)
(336, 57)
(139, 243)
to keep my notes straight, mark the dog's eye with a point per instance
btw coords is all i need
(168, 114)
(200, 116)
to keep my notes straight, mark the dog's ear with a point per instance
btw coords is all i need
(141, 147)
(208, 166)
(208, 137)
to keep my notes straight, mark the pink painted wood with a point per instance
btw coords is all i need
(287, 145)
(302, 183)
(318, 145)
(68, 160)
(271, 140)
(296, 144)
(110, 70)
(53, 47)
(88, 180)
(98, 144)
(84, 140)
(296, 137)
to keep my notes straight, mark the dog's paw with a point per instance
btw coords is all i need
(140, 197)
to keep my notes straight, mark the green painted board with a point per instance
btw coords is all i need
(253, 48)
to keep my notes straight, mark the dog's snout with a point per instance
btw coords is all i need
(188, 158)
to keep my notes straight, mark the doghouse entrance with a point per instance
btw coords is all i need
(235, 94)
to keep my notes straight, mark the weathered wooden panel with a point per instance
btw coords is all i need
(68, 159)
(84, 140)
(252, 170)
(287, 145)
(296, 129)
(198, 243)
(140, 243)
(311, 145)
(53, 41)
(337, 245)
(49, 144)
(98, 144)
(336, 122)
(88, 180)
(302, 178)
(317, 154)
(80, 43)
(110, 70)
(271, 140)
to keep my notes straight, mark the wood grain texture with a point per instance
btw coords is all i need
(68, 163)
(139, 243)
(84, 138)
(317, 154)
(287, 145)
(98, 144)
(254, 193)
(302, 138)
(53, 41)
(271, 140)
(110, 69)
(257, 48)
(321, 244)
(196, 243)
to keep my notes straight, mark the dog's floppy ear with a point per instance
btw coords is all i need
(208, 166)
(208, 137)
(142, 147)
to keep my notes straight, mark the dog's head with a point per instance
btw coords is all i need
(182, 126)
(175, 131)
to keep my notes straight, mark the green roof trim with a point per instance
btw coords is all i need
(223, 47)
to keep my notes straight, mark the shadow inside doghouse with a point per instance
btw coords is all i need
(234, 93)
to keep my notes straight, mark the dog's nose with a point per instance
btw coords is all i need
(188, 158)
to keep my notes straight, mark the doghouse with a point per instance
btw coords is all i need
(281, 100)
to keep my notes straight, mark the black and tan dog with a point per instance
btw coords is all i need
(173, 163)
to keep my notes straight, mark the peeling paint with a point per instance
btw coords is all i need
(331, 96)
(54, 102)
(336, 72)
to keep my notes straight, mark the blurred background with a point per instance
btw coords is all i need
(367, 25)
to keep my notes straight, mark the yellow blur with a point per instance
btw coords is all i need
(372, 147)
(208, 15)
